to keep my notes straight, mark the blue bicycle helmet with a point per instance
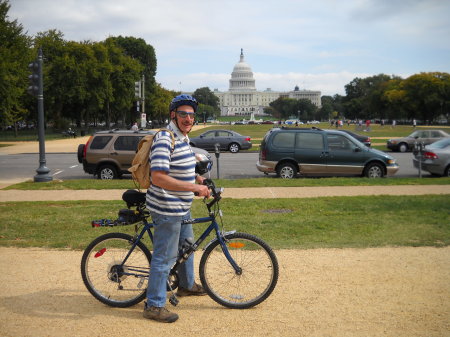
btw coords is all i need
(183, 100)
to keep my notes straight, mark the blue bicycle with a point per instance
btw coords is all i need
(237, 270)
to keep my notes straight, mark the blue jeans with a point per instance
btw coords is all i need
(168, 236)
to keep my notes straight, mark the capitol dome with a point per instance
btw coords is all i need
(242, 76)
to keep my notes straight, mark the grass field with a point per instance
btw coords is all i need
(256, 132)
(373, 221)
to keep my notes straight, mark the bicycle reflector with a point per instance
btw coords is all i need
(236, 245)
(100, 252)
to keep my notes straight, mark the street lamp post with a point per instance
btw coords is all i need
(42, 171)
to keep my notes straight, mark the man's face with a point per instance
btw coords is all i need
(184, 123)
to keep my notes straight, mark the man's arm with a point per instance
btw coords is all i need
(163, 180)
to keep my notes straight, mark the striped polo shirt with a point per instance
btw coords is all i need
(179, 164)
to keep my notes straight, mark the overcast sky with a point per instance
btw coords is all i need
(317, 45)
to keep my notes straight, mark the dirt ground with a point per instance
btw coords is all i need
(323, 292)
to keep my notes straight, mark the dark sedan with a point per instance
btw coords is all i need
(363, 139)
(227, 139)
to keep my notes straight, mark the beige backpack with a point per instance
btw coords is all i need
(140, 167)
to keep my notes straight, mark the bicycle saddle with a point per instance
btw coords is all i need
(133, 197)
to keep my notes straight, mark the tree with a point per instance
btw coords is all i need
(116, 82)
(364, 97)
(208, 102)
(160, 101)
(144, 53)
(306, 110)
(326, 111)
(286, 108)
(206, 96)
(427, 94)
(14, 58)
(395, 98)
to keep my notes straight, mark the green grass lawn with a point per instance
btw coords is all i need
(367, 221)
(258, 131)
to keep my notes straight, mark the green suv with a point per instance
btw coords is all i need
(316, 152)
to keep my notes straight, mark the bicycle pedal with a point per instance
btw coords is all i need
(173, 300)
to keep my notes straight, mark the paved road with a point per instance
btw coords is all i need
(231, 166)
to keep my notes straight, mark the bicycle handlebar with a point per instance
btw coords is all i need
(215, 192)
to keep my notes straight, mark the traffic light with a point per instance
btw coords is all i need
(33, 89)
(137, 89)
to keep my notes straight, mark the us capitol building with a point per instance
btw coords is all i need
(242, 98)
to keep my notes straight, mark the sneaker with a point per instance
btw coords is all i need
(196, 290)
(159, 314)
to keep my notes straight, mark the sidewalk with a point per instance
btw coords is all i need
(235, 193)
(67, 145)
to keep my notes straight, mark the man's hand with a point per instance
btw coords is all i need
(202, 191)
(199, 179)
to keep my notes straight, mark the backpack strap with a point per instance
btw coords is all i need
(171, 135)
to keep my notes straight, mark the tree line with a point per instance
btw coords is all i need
(424, 96)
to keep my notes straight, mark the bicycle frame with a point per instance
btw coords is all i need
(180, 259)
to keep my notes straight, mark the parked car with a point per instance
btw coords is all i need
(363, 139)
(227, 139)
(421, 136)
(109, 154)
(435, 158)
(293, 122)
(317, 152)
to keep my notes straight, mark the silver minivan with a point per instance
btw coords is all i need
(316, 152)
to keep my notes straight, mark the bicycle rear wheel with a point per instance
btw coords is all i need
(107, 278)
(239, 291)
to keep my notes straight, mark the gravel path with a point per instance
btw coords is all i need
(323, 292)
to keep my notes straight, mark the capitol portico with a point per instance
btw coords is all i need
(242, 98)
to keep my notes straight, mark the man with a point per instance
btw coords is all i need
(135, 127)
(169, 199)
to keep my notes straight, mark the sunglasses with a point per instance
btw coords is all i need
(184, 114)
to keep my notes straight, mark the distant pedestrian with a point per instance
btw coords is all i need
(393, 123)
(135, 127)
(414, 123)
(360, 124)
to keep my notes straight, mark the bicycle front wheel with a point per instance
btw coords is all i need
(252, 285)
(111, 280)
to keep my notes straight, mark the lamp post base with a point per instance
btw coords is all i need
(42, 175)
